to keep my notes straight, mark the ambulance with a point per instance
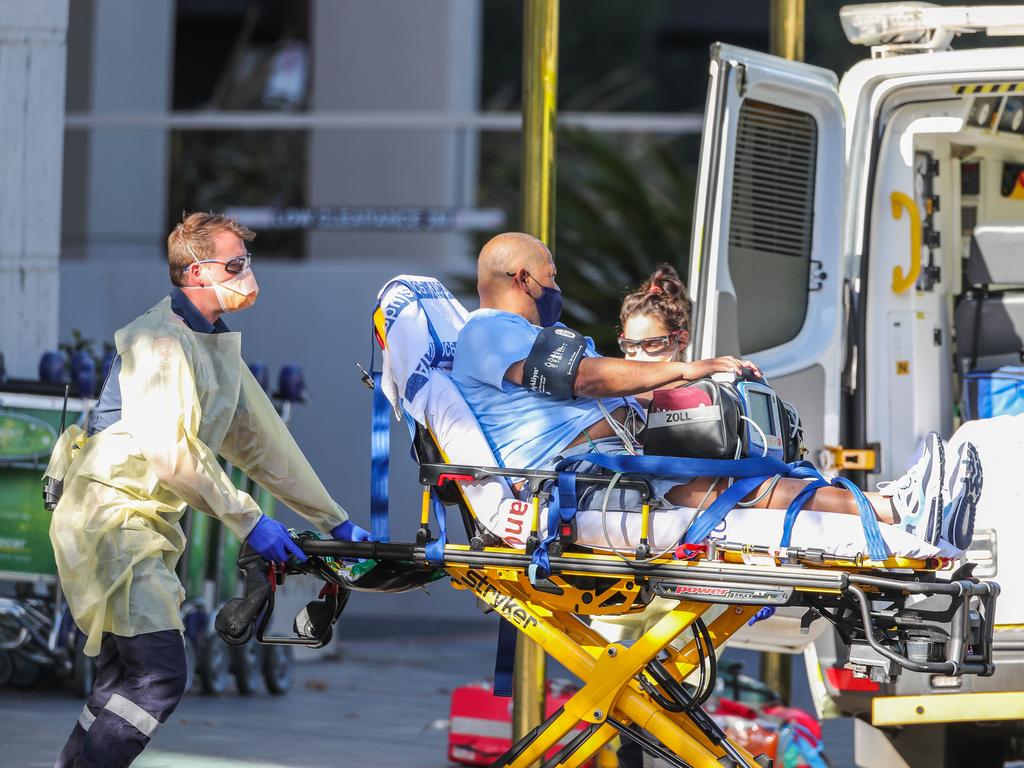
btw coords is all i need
(862, 239)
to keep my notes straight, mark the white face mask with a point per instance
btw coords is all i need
(238, 292)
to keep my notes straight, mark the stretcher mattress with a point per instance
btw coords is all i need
(462, 442)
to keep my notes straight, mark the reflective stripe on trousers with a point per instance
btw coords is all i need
(139, 682)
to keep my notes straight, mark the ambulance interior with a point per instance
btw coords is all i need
(961, 161)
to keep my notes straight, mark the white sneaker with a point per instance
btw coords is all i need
(917, 496)
(965, 483)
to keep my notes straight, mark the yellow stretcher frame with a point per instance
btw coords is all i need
(612, 696)
(608, 670)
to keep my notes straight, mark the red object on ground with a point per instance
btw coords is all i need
(481, 723)
(798, 716)
(731, 707)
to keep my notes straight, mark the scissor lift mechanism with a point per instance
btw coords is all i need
(892, 615)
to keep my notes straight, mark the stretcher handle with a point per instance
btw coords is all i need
(436, 474)
(240, 616)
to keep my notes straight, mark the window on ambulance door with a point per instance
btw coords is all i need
(772, 217)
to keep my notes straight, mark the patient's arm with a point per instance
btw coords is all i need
(612, 377)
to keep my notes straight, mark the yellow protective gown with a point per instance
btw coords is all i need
(186, 397)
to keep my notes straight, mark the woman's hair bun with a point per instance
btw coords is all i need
(662, 295)
(664, 280)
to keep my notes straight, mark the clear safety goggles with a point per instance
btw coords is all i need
(652, 345)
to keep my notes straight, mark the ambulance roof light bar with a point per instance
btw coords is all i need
(914, 27)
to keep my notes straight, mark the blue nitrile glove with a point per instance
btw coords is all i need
(349, 531)
(762, 613)
(272, 541)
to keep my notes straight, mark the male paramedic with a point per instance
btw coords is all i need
(588, 406)
(177, 396)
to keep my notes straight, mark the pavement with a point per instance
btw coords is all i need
(378, 698)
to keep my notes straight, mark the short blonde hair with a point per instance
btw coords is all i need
(196, 231)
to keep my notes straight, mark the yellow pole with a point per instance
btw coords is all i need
(787, 29)
(787, 40)
(540, 104)
(540, 107)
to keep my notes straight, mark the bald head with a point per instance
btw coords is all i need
(513, 270)
(505, 253)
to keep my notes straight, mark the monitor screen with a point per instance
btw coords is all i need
(759, 406)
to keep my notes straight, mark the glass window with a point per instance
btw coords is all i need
(771, 222)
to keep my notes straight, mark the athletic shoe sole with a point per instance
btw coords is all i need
(958, 521)
(933, 522)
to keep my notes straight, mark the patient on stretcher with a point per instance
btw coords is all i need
(535, 411)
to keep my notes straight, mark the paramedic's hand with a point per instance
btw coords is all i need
(349, 531)
(272, 541)
(725, 364)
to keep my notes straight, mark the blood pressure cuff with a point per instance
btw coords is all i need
(554, 362)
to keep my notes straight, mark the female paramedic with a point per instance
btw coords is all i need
(655, 323)
(178, 394)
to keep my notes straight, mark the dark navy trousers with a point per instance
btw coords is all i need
(139, 682)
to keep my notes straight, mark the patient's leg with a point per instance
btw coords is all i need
(829, 499)
(915, 501)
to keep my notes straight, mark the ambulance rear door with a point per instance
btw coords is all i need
(765, 269)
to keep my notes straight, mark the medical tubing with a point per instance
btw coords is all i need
(764, 437)
(761, 496)
(628, 443)
(604, 517)
(604, 523)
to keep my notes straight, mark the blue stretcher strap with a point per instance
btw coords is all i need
(720, 508)
(671, 466)
(562, 509)
(380, 459)
(505, 659)
(796, 506)
(566, 498)
(434, 550)
(872, 533)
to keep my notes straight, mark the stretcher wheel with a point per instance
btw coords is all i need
(83, 669)
(6, 668)
(277, 668)
(214, 666)
(247, 667)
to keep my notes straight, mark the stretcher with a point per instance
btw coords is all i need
(893, 614)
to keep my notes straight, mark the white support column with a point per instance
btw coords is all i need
(32, 72)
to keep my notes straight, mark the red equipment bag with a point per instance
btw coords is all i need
(481, 723)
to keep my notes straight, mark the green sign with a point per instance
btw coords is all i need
(28, 431)
(24, 524)
(24, 437)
